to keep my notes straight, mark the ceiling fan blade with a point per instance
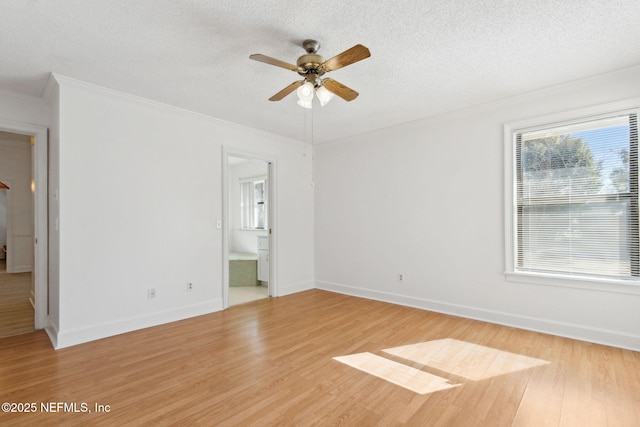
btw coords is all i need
(348, 57)
(339, 89)
(272, 61)
(286, 91)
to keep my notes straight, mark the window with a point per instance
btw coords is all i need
(253, 202)
(574, 199)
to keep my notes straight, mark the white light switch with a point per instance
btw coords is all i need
(218, 224)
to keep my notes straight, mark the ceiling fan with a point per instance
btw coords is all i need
(312, 67)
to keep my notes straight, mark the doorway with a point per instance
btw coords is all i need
(23, 167)
(248, 194)
(17, 314)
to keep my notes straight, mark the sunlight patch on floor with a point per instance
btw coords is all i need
(463, 359)
(472, 361)
(405, 376)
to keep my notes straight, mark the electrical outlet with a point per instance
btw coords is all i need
(401, 277)
(151, 293)
(189, 287)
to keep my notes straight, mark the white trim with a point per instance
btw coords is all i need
(295, 288)
(509, 198)
(563, 329)
(52, 331)
(64, 80)
(272, 180)
(40, 230)
(108, 329)
(587, 282)
(510, 129)
(262, 177)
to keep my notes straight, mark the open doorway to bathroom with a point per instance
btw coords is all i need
(249, 229)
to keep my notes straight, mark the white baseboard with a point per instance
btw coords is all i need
(294, 288)
(61, 339)
(567, 330)
(52, 331)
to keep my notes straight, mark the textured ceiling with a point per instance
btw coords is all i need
(427, 57)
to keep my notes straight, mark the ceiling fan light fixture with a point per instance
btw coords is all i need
(305, 92)
(312, 67)
(324, 95)
(305, 104)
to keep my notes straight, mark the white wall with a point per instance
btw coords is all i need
(140, 190)
(243, 241)
(426, 199)
(52, 98)
(22, 108)
(15, 171)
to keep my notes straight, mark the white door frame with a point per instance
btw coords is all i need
(272, 215)
(40, 226)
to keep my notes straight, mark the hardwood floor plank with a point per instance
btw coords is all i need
(270, 362)
(16, 312)
(538, 409)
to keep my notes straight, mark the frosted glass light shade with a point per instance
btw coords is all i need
(305, 104)
(324, 96)
(305, 92)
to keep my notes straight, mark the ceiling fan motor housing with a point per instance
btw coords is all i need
(310, 64)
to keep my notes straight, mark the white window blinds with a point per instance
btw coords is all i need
(253, 204)
(577, 198)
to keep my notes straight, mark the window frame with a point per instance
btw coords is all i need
(629, 286)
(254, 180)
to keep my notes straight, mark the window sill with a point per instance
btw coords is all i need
(587, 283)
(253, 229)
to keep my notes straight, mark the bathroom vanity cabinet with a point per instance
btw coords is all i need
(263, 258)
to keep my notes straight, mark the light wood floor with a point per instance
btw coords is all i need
(243, 294)
(271, 362)
(16, 312)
